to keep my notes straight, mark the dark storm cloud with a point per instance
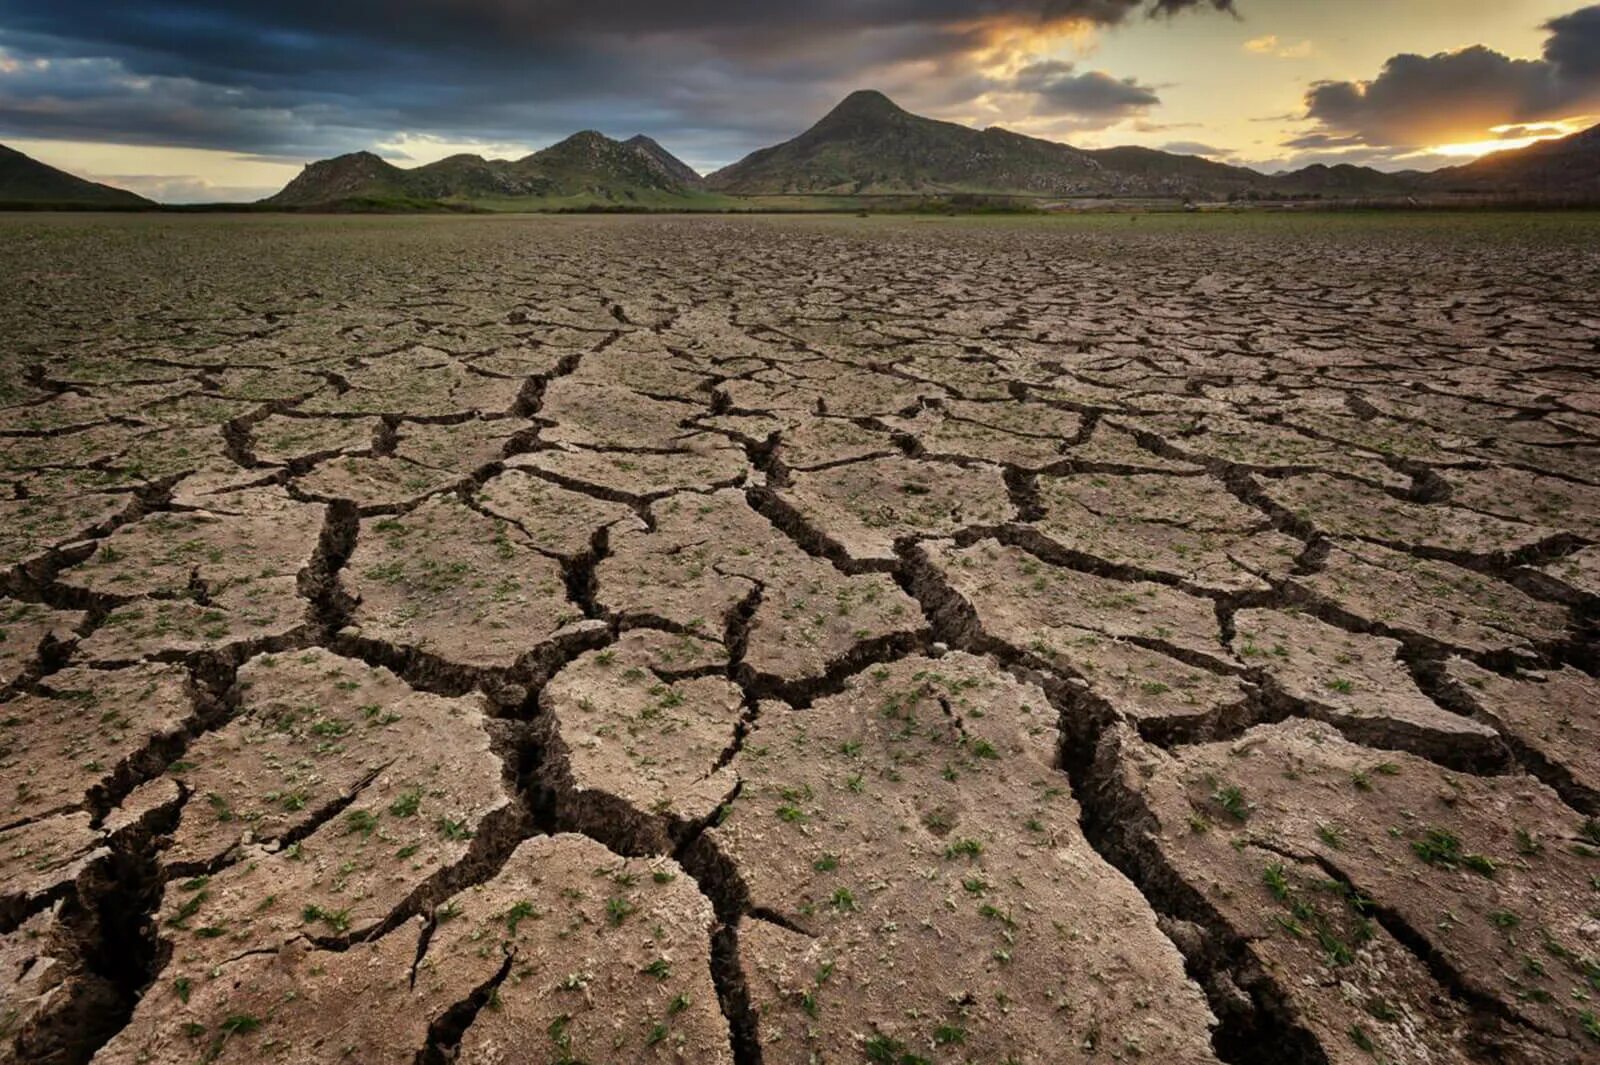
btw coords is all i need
(295, 77)
(1574, 44)
(97, 100)
(1323, 140)
(286, 36)
(1419, 99)
(1058, 90)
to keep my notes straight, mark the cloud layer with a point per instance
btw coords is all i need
(1461, 96)
(295, 78)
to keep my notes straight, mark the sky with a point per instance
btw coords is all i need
(191, 101)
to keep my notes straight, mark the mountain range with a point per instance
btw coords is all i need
(867, 146)
(585, 166)
(28, 181)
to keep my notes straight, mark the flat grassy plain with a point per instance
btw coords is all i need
(790, 639)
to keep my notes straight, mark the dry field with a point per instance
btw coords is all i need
(800, 641)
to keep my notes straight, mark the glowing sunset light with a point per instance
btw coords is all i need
(1476, 148)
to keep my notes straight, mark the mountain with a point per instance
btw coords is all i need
(867, 144)
(1569, 166)
(25, 180)
(587, 166)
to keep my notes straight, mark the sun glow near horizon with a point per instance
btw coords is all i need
(1529, 135)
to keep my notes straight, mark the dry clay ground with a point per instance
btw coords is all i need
(799, 641)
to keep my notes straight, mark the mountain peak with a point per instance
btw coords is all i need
(865, 104)
(584, 138)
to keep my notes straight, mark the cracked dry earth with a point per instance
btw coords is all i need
(808, 641)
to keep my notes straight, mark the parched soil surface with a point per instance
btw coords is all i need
(800, 642)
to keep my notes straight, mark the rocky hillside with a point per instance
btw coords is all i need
(674, 166)
(24, 180)
(1569, 167)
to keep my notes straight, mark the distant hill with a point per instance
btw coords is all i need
(867, 144)
(587, 166)
(1150, 171)
(1343, 179)
(1569, 166)
(25, 180)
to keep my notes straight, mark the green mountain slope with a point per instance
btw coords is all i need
(869, 145)
(26, 180)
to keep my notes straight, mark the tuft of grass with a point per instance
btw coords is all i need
(519, 912)
(338, 920)
(1442, 848)
(453, 830)
(963, 848)
(406, 805)
(1231, 798)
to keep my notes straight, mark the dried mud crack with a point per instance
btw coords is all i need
(771, 642)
